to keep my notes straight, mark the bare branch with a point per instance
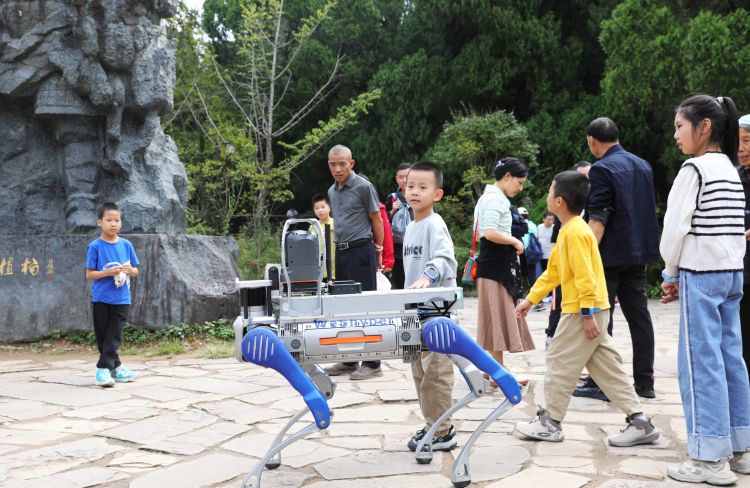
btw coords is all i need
(229, 91)
(311, 104)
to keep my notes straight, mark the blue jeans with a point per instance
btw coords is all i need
(713, 376)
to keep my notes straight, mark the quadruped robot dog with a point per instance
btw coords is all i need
(294, 320)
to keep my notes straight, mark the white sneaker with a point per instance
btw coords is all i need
(740, 463)
(639, 430)
(694, 471)
(543, 428)
(547, 342)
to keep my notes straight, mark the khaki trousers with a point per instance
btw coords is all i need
(570, 351)
(433, 377)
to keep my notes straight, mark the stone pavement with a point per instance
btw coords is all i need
(203, 423)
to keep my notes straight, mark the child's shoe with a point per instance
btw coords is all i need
(740, 463)
(543, 428)
(639, 430)
(104, 377)
(121, 374)
(694, 471)
(439, 443)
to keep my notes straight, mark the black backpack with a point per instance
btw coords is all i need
(518, 227)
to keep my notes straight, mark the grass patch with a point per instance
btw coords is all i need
(217, 350)
(168, 348)
(129, 350)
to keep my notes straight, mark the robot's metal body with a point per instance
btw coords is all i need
(292, 322)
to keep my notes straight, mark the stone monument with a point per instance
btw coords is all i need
(83, 84)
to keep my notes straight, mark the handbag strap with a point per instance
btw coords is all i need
(476, 227)
(474, 239)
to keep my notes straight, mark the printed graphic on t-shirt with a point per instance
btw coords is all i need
(122, 278)
(413, 250)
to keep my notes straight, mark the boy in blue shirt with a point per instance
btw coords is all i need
(110, 264)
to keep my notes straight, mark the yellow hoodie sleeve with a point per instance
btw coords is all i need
(548, 281)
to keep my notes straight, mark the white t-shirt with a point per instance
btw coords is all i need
(544, 234)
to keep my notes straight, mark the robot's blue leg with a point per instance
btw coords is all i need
(477, 386)
(263, 347)
(327, 387)
(445, 336)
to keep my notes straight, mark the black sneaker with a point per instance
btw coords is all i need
(590, 392)
(644, 392)
(439, 443)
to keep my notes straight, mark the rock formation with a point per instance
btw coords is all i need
(82, 86)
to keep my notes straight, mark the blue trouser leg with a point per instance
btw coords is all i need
(712, 374)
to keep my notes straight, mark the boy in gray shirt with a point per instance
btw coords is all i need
(429, 262)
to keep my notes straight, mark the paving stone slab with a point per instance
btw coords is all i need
(397, 395)
(643, 467)
(299, 454)
(45, 461)
(493, 463)
(375, 413)
(126, 411)
(368, 464)
(214, 385)
(68, 426)
(240, 412)
(566, 463)
(198, 473)
(355, 443)
(32, 438)
(270, 395)
(179, 371)
(537, 477)
(79, 478)
(197, 441)
(415, 481)
(565, 448)
(160, 427)
(26, 409)
(70, 396)
(70, 379)
(142, 459)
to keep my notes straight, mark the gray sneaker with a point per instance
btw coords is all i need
(694, 471)
(341, 368)
(365, 373)
(542, 428)
(639, 430)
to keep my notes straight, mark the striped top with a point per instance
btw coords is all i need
(704, 226)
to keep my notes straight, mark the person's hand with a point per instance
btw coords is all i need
(518, 245)
(127, 268)
(387, 270)
(523, 308)
(747, 234)
(423, 282)
(591, 328)
(396, 206)
(114, 270)
(671, 292)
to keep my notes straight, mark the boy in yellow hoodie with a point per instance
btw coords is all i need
(581, 338)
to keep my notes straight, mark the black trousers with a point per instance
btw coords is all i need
(628, 285)
(109, 322)
(359, 264)
(397, 275)
(745, 322)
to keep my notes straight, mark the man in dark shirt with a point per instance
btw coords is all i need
(358, 235)
(622, 214)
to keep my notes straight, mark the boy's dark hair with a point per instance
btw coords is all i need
(403, 166)
(106, 207)
(572, 187)
(515, 166)
(546, 214)
(722, 112)
(319, 197)
(603, 129)
(429, 166)
(581, 164)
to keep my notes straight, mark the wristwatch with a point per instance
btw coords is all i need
(432, 274)
(588, 312)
